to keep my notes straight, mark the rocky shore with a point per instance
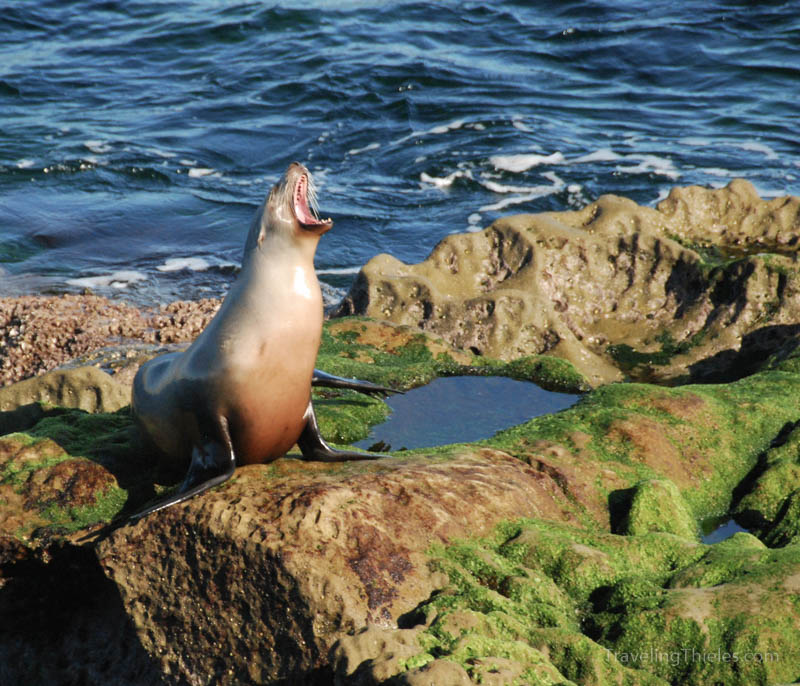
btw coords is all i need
(566, 550)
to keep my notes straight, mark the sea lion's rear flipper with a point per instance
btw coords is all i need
(213, 462)
(314, 447)
(320, 378)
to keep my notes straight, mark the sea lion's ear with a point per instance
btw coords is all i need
(262, 230)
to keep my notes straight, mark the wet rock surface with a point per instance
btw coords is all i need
(564, 550)
(618, 289)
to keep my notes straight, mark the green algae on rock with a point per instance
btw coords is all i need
(657, 505)
(704, 438)
(401, 357)
(87, 388)
(767, 502)
(64, 473)
(567, 605)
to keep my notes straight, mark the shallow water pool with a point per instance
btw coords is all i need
(462, 409)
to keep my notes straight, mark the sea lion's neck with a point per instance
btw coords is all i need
(277, 283)
(282, 249)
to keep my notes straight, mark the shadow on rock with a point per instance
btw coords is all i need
(63, 622)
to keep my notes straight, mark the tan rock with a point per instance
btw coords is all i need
(84, 388)
(576, 284)
(284, 561)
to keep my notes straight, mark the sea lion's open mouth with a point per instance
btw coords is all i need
(305, 204)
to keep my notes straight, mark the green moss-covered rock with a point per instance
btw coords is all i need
(403, 358)
(640, 609)
(706, 439)
(657, 505)
(786, 527)
(557, 600)
(43, 486)
(765, 495)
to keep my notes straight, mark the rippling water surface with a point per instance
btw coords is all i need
(136, 138)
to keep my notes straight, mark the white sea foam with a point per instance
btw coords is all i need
(357, 151)
(174, 264)
(197, 172)
(650, 164)
(523, 162)
(517, 123)
(188, 163)
(160, 153)
(118, 279)
(98, 147)
(601, 155)
(331, 296)
(502, 188)
(718, 171)
(663, 194)
(25, 164)
(445, 181)
(444, 128)
(695, 141)
(333, 271)
(754, 146)
(532, 193)
(517, 199)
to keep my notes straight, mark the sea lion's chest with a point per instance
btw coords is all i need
(265, 350)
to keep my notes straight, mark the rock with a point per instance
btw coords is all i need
(85, 388)
(435, 673)
(39, 333)
(607, 287)
(373, 655)
(61, 622)
(734, 218)
(646, 609)
(301, 555)
(766, 501)
(657, 505)
(493, 561)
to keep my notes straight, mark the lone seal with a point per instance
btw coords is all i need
(241, 393)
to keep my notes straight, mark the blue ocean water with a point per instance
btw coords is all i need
(137, 138)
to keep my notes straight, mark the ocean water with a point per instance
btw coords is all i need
(137, 138)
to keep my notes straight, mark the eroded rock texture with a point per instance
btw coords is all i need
(616, 288)
(278, 567)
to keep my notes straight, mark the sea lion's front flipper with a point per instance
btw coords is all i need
(320, 378)
(213, 462)
(314, 447)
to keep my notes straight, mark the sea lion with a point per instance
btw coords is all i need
(241, 393)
